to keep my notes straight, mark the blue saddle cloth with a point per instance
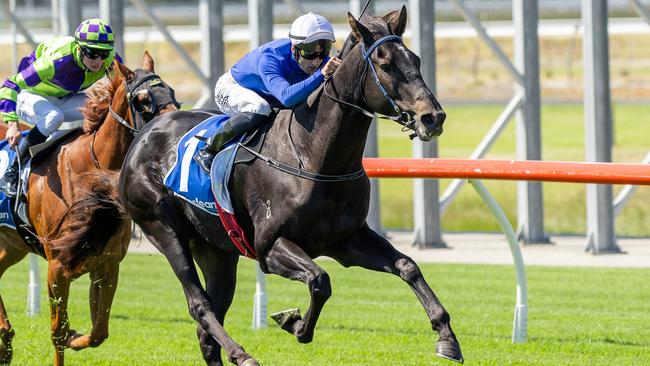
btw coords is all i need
(7, 156)
(186, 178)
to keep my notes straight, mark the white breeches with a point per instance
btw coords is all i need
(48, 113)
(232, 98)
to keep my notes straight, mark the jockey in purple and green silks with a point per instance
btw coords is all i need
(46, 91)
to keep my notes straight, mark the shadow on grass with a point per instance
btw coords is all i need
(153, 320)
(606, 340)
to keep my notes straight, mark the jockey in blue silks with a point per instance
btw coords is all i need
(280, 74)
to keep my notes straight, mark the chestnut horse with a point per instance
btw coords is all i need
(314, 204)
(72, 208)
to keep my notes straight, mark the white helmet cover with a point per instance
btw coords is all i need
(309, 28)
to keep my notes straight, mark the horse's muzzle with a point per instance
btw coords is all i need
(430, 125)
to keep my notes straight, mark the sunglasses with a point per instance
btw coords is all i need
(313, 55)
(95, 54)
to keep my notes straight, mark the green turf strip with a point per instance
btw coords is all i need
(577, 316)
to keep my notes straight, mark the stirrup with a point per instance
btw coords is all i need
(204, 158)
(9, 182)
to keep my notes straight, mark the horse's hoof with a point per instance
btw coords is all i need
(250, 362)
(449, 350)
(6, 351)
(286, 319)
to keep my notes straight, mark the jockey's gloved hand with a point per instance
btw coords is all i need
(330, 67)
(13, 133)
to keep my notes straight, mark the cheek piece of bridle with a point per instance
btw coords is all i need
(155, 105)
(403, 118)
(142, 117)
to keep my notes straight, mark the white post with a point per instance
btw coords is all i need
(260, 300)
(260, 23)
(520, 324)
(34, 287)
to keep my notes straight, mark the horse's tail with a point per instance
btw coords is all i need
(90, 221)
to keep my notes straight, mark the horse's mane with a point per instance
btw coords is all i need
(98, 99)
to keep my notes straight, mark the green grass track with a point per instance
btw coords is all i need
(577, 316)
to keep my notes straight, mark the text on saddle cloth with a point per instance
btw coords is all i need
(188, 181)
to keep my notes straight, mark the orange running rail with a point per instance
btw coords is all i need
(548, 171)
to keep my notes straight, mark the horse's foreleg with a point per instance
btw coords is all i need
(288, 260)
(9, 256)
(220, 273)
(58, 292)
(179, 256)
(103, 283)
(370, 250)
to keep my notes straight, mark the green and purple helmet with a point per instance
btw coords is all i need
(95, 33)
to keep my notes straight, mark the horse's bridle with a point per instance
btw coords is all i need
(144, 116)
(403, 118)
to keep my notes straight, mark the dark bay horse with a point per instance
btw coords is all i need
(72, 207)
(290, 219)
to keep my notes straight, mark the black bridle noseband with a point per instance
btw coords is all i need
(144, 116)
(138, 115)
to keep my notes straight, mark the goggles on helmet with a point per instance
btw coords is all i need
(93, 54)
(308, 50)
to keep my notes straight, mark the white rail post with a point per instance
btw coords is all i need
(34, 287)
(520, 323)
(260, 23)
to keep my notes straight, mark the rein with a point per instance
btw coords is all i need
(298, 172)
(129, 98)
(403, 118)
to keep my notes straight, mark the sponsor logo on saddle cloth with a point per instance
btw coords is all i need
(7, 156)
(188, 181)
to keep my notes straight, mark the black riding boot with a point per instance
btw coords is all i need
(234, 127)
(9, 182)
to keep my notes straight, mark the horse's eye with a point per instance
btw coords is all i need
(385, 67)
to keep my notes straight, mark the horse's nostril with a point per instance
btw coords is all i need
(440, 116)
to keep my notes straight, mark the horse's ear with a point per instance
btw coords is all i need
(147, 62)
(359, 31)
(126, 72)
(396, 20)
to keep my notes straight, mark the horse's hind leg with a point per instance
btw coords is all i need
(370, 250)
(220, 273)
(9, 256)
(176, 249)
(288, 260)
